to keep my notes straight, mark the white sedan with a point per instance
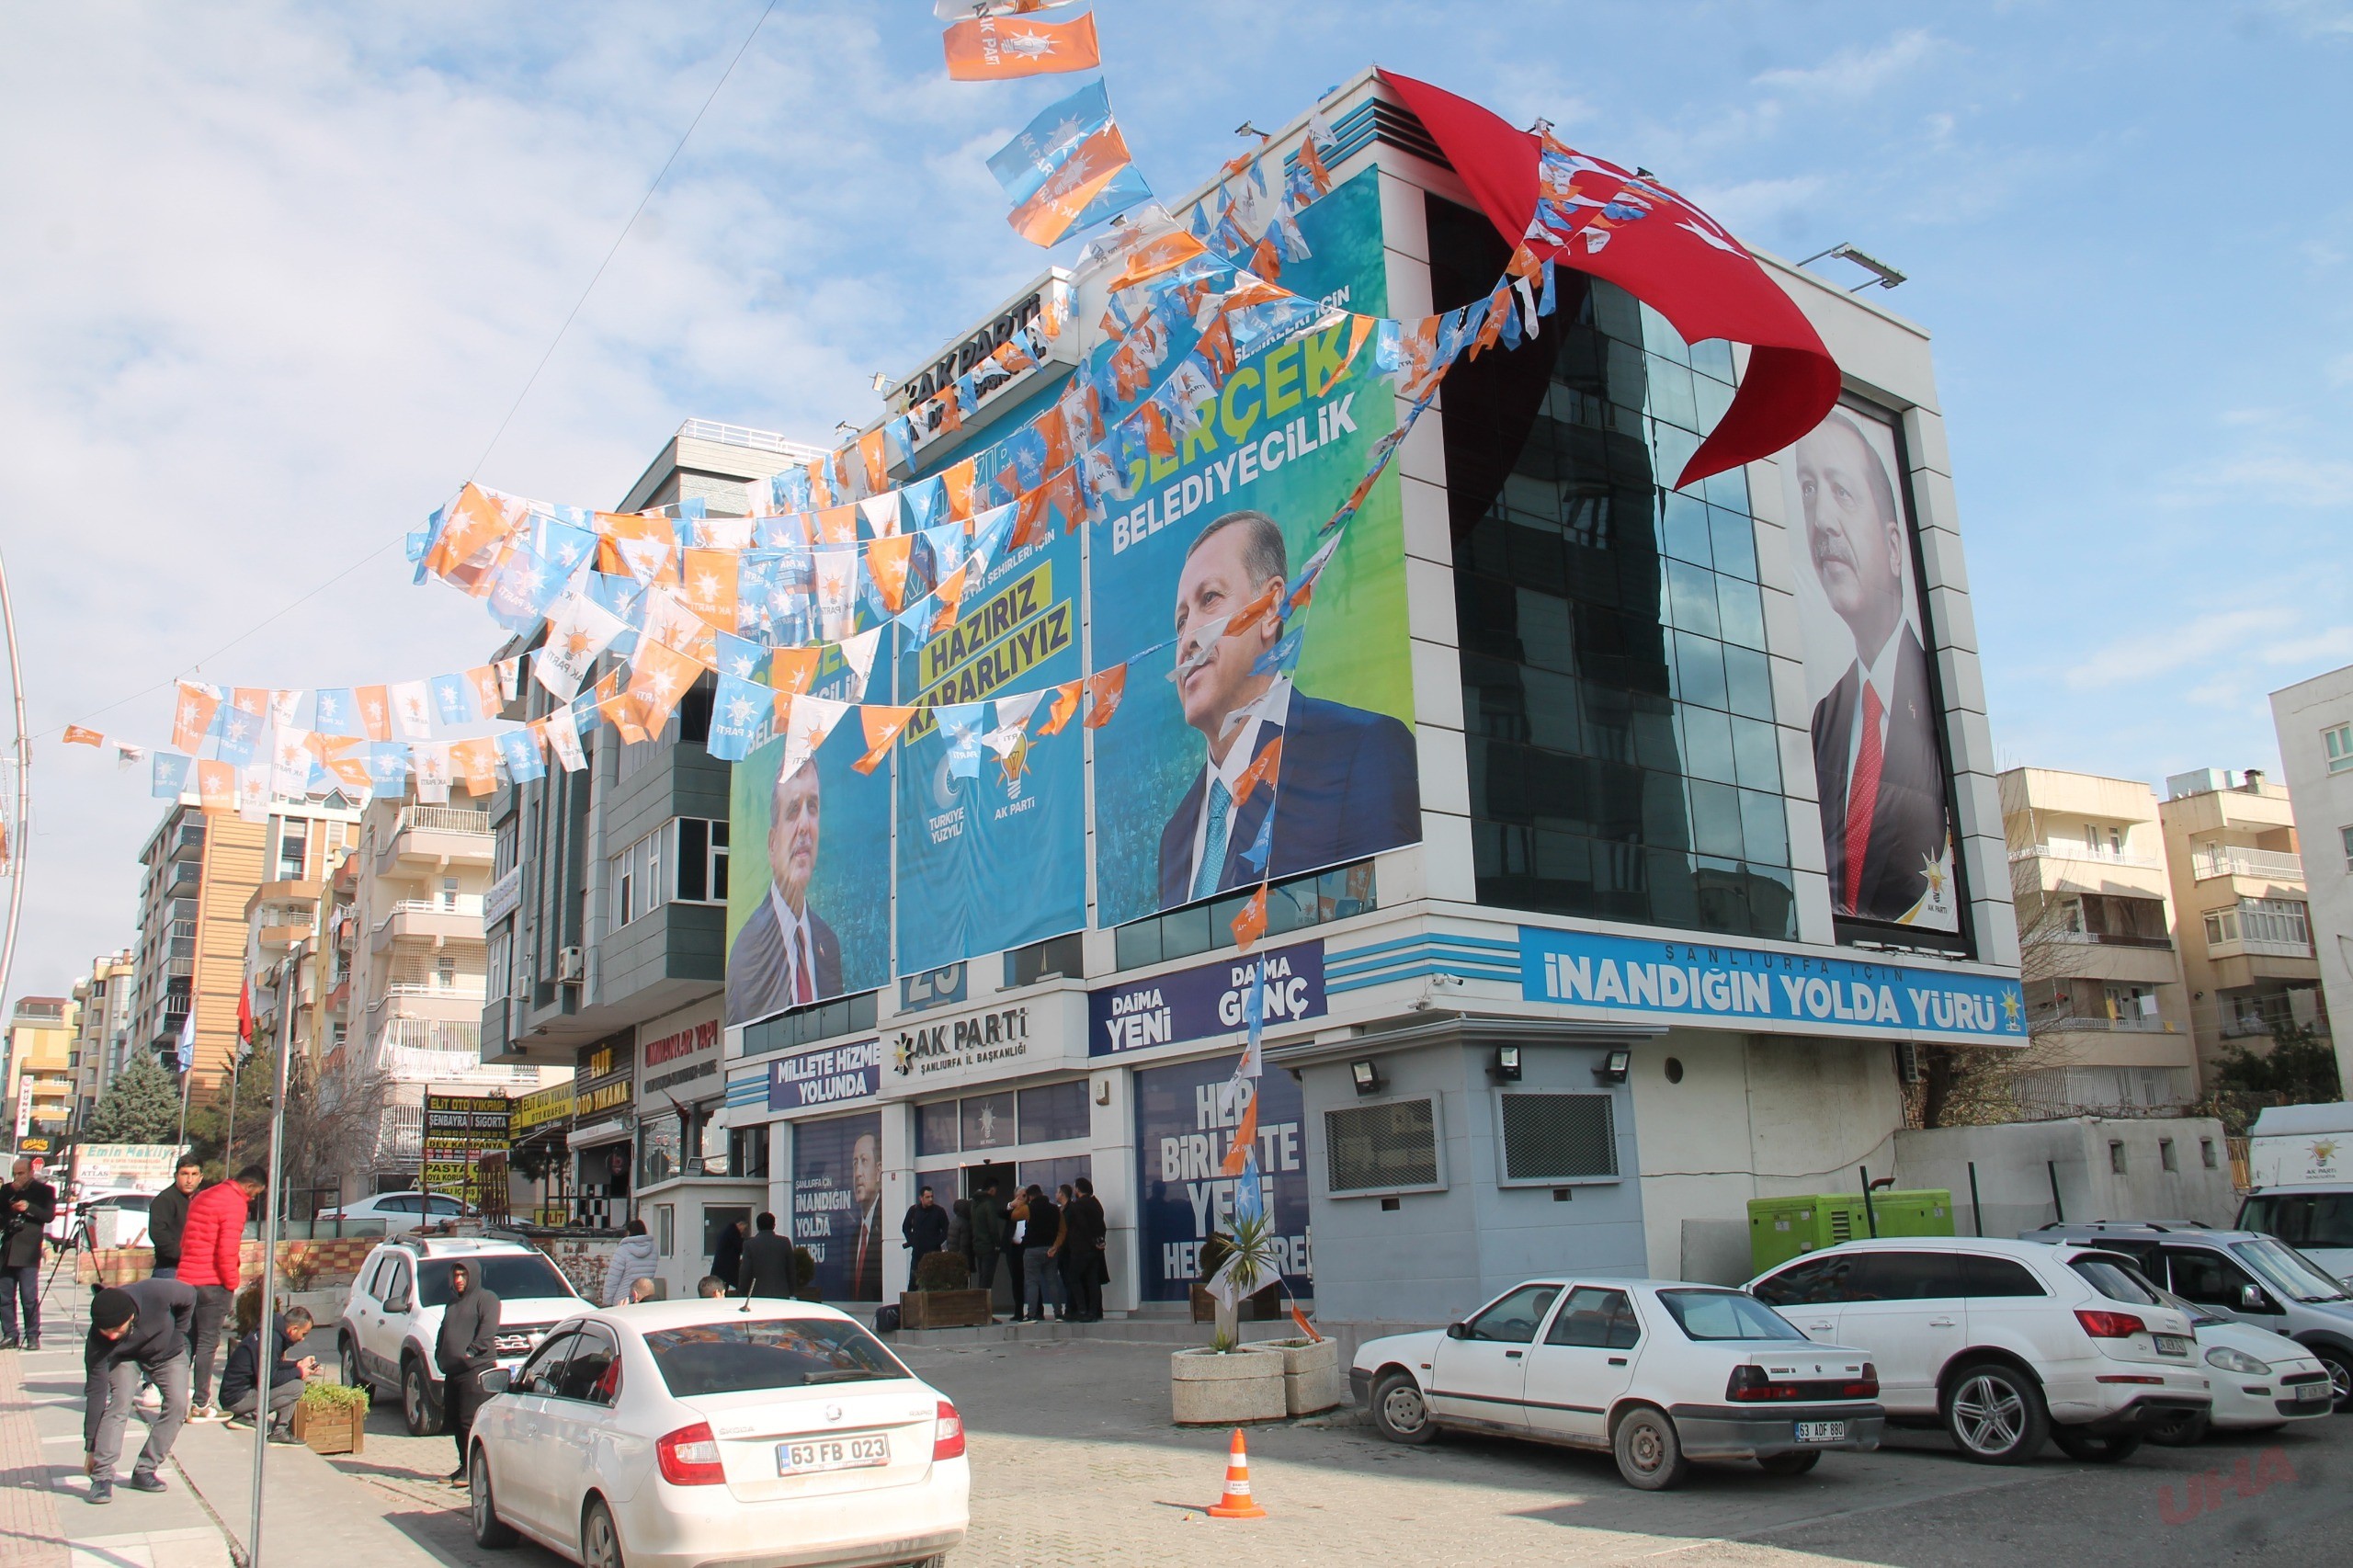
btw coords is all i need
(2259, 1379)
(1657, 1372)
(688, 1433)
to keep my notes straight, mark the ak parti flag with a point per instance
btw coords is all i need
(999, 48)
(1069, 169)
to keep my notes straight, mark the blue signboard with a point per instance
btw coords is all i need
(826, 1077)
(932, 988)
(1184, 1128)
(1205, 1001)
(1709, 980)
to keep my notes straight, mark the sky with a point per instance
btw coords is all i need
(277, 275)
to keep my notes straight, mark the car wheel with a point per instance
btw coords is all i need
(1997, 1414)
(1400, 1411)
(418, 1407)
(490, 1531)
(600, 1543)
(1650, 1455)
(2096, 1448)
(2340, 1372)
(2180, 1431)
(1793, 1463)
(354, 1373)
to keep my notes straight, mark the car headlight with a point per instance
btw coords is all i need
(2239, 1361)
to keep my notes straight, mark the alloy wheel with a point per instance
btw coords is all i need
(601, 1546)
(1988, 1414)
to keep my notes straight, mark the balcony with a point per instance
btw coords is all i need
(2101, 939)
(433, 839)
(428, 920)
(2083, 852)
(2263, 865)
(182, 877)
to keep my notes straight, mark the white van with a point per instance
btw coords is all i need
(2300, 1158)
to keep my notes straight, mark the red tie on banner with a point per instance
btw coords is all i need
(804, 990)
(1676, 260)
(1863, 797)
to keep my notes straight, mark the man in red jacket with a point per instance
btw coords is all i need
(211, 1262)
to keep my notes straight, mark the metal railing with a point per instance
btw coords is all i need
(443, 819)
(469, 906)
(2206, 864)
(2083, 852)
(744, 435)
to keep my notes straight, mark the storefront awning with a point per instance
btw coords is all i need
(603, 1132)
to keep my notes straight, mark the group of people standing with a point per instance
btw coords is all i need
(1054, 1249)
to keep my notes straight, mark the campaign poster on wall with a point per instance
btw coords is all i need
(809, 876)
(837, 1203)
(1237, 507)
(1879, 756)
(992, 838)
(1182, 1133)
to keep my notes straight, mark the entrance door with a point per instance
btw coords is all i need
(1002, 1287)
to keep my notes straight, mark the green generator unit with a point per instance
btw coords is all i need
(1782, 1228)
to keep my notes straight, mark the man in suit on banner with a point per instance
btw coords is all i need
(786, 956)
(1347, 783)
(865, 1195)
(1875, 756)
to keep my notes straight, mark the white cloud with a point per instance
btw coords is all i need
(2266, 475)
(1854, 72)
(2147, 655)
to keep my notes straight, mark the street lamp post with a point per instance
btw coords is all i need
(272, 1203)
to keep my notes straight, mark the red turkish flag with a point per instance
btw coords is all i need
(1667, 254)
(244, 1012)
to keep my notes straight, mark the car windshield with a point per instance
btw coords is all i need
(737, 1356)
(2287, 1270)
(2302, 1218)
(2116, 1278)
(509, 1276)
(1724, 1315)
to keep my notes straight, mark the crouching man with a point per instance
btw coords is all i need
(241, 1391)
(137, 1331)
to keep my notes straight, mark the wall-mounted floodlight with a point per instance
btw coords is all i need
(1367, 1077)
(1882, 276)
(1506, 1068)
(1613, 1067)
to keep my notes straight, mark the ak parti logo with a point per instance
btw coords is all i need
(2205, 1491)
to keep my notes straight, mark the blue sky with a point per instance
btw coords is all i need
(280, 270)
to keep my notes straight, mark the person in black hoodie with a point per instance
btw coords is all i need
(727, 1261)
(167, 1216)
(137, 1331)
(467, 1347)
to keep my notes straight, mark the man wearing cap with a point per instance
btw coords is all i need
(140, 1330)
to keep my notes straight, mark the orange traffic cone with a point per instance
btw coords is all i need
(1237, 1503)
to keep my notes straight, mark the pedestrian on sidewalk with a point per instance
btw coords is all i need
(727, 1258)
(467, 1348)
(1084, 1257)
(167, 1216)
(137, 1331)
(711, 1287)
(924, 1229)
(632, 1261)
(212, 1262)
(1058, 1255)
(1043, 1229)
(959, 1232)
(988, 1238)
(26, 1205)
(1017, 1248)
(766, 1268)
(241, 1392)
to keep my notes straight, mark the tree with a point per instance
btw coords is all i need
(142, 1106)
(1964, 1086)
(2300, 1065)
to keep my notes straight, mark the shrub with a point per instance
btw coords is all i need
(323, 1395)
(942, 1271)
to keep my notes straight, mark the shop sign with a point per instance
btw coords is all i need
(460, 1129)
(541, 1107)
(829, 1076)
(695, 1048)
(503, 896)
(607, 1079)
(977, 1039)
(1845, 996)
(933, 988)
(1205, 1001)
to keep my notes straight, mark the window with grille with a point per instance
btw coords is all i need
(1380, 1148)
(1558, 1137)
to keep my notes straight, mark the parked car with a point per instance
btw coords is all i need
(402, 1210)
(1656, 1373)
(394, 1314)
(2316, 1221)
(673, 1434)
(117, 1218)
(2006, 1344)
(2243, 1274)
(2260, 1381)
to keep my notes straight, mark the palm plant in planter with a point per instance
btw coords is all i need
(1236, 1267)
(1230, 1381)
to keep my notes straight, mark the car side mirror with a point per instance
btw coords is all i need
(498, 1380)
(2253, 1300)
(397, 1305)
(1458, 1331)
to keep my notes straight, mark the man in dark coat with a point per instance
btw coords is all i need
(988, 1235)
(786, 956)
(766, 1270)
(26, 1205)
(467, 1347)
(167, 1216)
(923, 1228)
(727, 1258)
(138, 1331)
(1085, 1255)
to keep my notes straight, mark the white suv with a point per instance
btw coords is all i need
(2003, 1343)
(393, 1314)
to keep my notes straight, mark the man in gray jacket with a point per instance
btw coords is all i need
(467, 1347)
(137, 1331)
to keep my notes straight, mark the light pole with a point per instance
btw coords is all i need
(272, 1202)
(16, 851)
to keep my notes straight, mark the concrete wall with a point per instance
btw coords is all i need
(2017, 1164)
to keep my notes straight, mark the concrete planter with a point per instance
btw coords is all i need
(1312, 1380)
(1208, 1389)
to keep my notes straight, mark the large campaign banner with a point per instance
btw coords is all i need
(1236, 508)
(837, 1203)
(993, 844)
(809, 883)
(1184, 1125)
(1879, 756)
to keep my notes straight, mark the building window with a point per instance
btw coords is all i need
(2165, 1155)
(701, 859)
(1382, 1148)
(2345, 842)
(1053, 958)
(2116, 1160)
(748, 1152)
(1292, 905)
(2206, 1153)
(289, 851)
(2274, 922)
(2339, 741)
(666, 1229)
(843, 1014)
(1558, 1137)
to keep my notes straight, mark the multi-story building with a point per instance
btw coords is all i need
(102, 1037)
(199, 873)
(2243, 921)
(2314, 719)
(2104, 993)
(41, 1071)
(290, 966)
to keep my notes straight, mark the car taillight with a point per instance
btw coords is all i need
(2109, 1326)
(947, 1436)
(1749, 1384)
(1864, 1386)
(689, 1457)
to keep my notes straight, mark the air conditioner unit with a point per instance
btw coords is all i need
(571, 969)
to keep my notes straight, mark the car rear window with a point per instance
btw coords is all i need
(2117, 1279)
(1724, 1315)
(509, 1276)
(736, 1357)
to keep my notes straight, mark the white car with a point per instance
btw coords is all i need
(394, 1314)
(401, 1211)
(699, 1433)
(1656, 1373)
(2003, 1343)
(2259, 1379)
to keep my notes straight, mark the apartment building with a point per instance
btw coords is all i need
(41, 1072)
(2314, 719)
(2243, 918)
(102, 1035)
(2105, 997)
(199, 874)
(284, 955)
